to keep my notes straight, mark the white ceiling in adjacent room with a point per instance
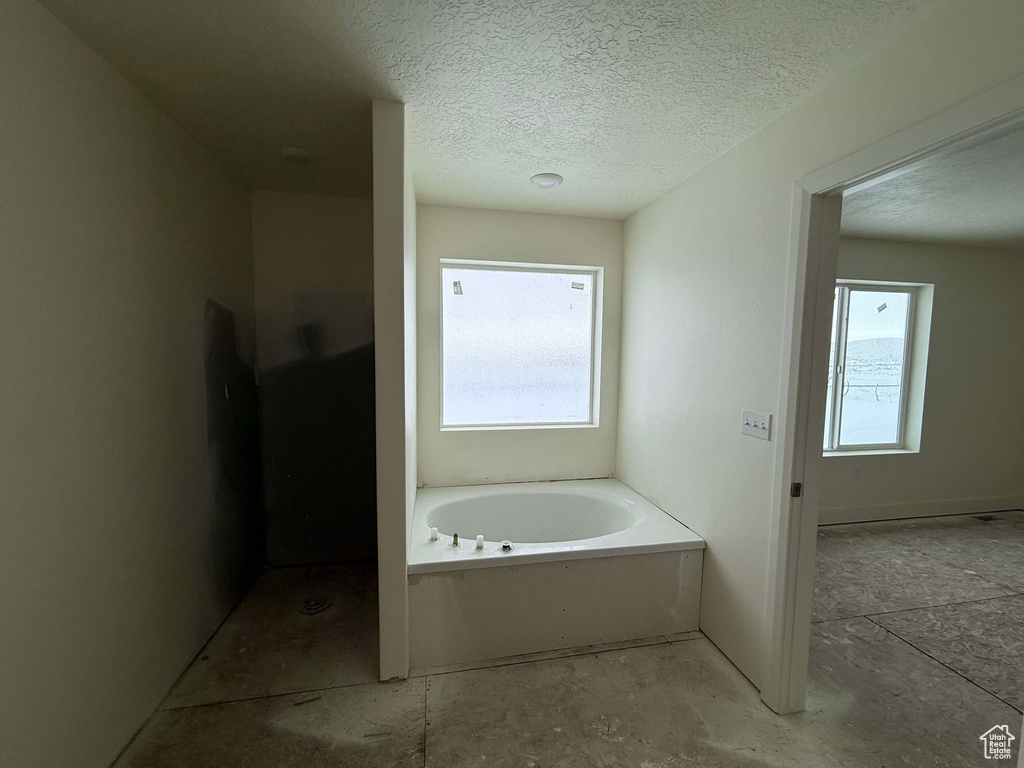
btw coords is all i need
(972, 196)
(624, 98)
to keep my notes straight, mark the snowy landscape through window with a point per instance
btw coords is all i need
(868, 366)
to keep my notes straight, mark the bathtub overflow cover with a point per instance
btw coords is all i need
(506, 546)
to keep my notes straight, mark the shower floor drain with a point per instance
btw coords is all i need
(315, 604)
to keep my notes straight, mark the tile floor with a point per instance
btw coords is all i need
(904, 671)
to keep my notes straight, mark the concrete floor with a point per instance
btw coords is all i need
(950, 587)
(904, 671)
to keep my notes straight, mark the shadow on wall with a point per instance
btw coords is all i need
(318, 434)
(232, 440)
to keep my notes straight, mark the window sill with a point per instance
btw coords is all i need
(878, 452)
(508, 427)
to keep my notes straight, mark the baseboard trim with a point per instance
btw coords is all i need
(932, 508)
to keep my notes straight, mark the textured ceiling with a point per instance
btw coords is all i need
(624, 98)
(973, 196)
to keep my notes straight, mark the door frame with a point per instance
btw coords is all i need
(814, 250)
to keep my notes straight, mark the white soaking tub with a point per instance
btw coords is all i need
(568, 520)
(584, 562)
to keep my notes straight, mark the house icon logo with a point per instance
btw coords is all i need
(997, 742)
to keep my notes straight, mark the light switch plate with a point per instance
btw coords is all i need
(756, 424)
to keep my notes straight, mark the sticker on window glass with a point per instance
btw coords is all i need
(457, 287)
(577, 286)
(882, 306)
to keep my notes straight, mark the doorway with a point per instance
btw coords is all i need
(817, 211)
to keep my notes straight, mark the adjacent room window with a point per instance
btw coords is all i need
(872, 325)
(519, 345)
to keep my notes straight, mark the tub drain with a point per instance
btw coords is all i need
(315, 604)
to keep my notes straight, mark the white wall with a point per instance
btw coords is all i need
(115, 228)
(972, 449)
(313, 260)
(410, 324)
(394, 279)
(704, 300)
(486, 456)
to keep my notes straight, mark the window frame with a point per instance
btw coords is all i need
(837, 370)
(596, 315)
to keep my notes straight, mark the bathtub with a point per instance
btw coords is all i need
(569, 520)
(584, 562)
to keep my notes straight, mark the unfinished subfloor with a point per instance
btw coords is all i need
(916, 650)
(950, 587)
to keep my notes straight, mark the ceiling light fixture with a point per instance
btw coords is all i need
(297, 156)
(546, 180)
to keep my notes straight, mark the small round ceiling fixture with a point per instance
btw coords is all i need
(297, 156)
(546, 180)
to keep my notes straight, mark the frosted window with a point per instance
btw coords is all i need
(866, 394)
(517, 346)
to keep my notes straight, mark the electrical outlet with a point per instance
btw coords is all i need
(756, 424)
